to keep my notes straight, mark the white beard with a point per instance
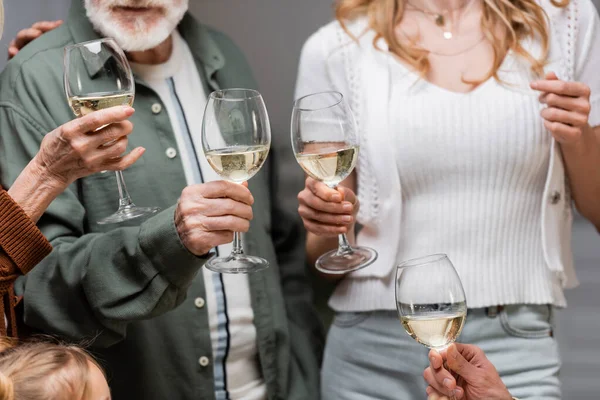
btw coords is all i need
(140, 37)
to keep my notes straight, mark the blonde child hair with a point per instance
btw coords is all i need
(43, 371)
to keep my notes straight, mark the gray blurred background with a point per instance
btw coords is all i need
(272, 32)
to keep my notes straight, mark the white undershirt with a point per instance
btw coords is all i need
(179, 87)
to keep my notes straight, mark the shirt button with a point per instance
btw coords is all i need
(171, 152)
(203, 361)
(156, 108)
(555, 197)
(199, 302)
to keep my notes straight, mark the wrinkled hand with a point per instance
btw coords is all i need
(27, 35)
(208, 214)
(326, 211)
(76, 149)
(566, 116)
(480, 380)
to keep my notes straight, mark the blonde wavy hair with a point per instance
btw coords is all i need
(43, 371)
(505, 23)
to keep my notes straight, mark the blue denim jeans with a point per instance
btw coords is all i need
(369, 356)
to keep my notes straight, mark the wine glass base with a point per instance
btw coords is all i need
(236, 264)
(128, 212)
(338, 263)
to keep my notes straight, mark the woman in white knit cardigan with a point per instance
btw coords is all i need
(479, 128)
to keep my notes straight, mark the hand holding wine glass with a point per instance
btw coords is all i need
(97, 75)
(479, 379)
(236, 137)
(325, 142)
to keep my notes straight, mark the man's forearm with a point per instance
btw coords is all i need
(582, 161)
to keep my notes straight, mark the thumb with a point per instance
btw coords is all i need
(457, 363)
(551, 75)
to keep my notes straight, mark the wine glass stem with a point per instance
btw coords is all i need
(343, 245)
(124, 198)
(237, 244)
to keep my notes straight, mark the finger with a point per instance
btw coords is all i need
(325, 218)
(122, 163)
(25, 36)
(574, 89)
(224, 189)
(577, 104)
(95, 120)
(308, 198)
(323, 191)
(439, 385)
(563, 133)
(46, 26)
(551, 75)
(323, 229)
(109, 134)
(225, 206)
(435, 359)
(223, 223)
(459, 364)
(554, 114)
(347, 194)
(98, 157)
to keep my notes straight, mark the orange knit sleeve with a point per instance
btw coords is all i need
(22, 247)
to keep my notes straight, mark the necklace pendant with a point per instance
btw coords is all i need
(439, 20)
(447, 35)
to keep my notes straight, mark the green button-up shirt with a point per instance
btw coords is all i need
(132, 286)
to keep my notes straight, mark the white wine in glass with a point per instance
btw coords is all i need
(97, 75)
(236, 138)
(430, 300)
(325, 142)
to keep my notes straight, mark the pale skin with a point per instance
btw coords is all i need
(206, 215)
(97, 387)
(565, 117)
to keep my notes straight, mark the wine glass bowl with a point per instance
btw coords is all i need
(325, 143)
(97, 75)
(430, 300)
(236, 138)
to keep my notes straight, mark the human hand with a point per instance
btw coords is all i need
(566, 116)
(27, 35)
(479, 378)
(208, 214)
(77, 149)
(325, 211)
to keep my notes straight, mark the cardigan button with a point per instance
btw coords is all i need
(171, 152)
(199, 302)
(555, 197)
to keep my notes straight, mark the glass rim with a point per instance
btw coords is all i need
(254, 94)
(421, 261)
(83, 44)
(334, 92)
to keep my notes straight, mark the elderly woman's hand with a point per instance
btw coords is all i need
(76, 149)
(480, 380)
(79, 148)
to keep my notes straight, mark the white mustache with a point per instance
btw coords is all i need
(137, 3)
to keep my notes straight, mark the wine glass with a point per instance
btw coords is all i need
(325, 142)
(236, 137)
(97, 75)
(431, 301)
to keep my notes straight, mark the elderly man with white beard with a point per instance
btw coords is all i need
(164, 327)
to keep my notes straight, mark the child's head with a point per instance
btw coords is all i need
(46, 371)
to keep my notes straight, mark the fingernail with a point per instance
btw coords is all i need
(336, 197)
(347, 218)
(534, 85)
(457, 393)
(348, 207)
(447, 383)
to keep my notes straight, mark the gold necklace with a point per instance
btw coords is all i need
(439, 17)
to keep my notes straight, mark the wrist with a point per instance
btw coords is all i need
(35, 188)
(580, 146)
